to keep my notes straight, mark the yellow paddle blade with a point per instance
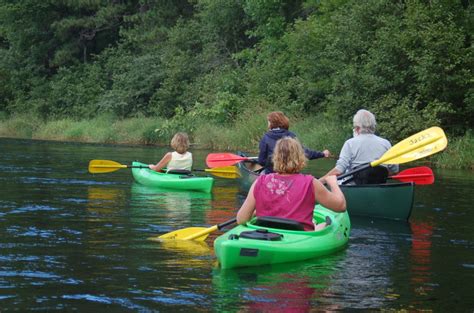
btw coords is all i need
(183, 234)
(230, 172)
(186, 247)
(104, 166)
(417, 146)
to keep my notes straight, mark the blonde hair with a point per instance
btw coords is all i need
(180, 142)
(288, 156)
(278, 119)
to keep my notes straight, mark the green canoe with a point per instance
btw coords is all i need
(392, 200)
(147, 177)
(247, 174)
(253, 245)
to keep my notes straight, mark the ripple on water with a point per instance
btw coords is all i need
(59, 181)
(105, 300)
(33, 208)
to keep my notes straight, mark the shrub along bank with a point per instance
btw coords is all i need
(244, 134)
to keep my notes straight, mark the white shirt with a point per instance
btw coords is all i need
(180, 161)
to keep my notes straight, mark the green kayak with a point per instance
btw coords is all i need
(263, 244)
(147, 177)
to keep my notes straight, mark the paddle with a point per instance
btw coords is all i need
(107, 166)
(421, 175)
(225, 159)
(417, 146)
(193, 233)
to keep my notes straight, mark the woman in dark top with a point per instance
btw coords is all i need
(278, 125)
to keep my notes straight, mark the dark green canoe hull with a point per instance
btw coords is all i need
(247, 174)
(391, 200)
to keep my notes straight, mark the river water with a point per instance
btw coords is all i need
(71, 240)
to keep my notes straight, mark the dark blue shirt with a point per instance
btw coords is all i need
(267, 145)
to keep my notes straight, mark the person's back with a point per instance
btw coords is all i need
(287, 196)
(267, 146)
(288, 193)
(360, 150)
(278, 127)
(180, 161)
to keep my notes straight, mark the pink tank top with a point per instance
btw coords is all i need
(289, 196)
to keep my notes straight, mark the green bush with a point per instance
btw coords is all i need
(20, 126)
(458, 154)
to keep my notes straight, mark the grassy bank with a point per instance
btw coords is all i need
(317, 133)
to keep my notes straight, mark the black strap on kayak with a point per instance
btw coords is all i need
(261, 234)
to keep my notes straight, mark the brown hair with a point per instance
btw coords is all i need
(180, 142)
(288, 156)
(278, 119)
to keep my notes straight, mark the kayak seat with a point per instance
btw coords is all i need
(278, 222)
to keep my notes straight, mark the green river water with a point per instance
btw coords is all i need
(73, 241)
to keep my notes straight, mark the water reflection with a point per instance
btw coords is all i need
(375, 249)
(291, 287)
(420, 260)
(171, 208)
(103, 200)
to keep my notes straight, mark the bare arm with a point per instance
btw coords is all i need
(163, 162)
(247, 209)
(332, 172)
(332, 199)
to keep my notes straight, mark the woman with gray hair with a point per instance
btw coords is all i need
(363, 148)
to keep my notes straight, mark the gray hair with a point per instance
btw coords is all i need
(365, 121)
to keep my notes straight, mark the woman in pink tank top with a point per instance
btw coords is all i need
(289, 194)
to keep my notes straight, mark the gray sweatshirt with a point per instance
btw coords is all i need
(363, 149)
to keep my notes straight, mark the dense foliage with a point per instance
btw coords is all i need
(409, 61)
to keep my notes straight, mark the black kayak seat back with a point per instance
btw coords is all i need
(279, 223)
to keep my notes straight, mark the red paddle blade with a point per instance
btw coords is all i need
(223, 159)
(421, 175)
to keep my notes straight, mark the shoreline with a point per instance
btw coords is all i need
(458, 155)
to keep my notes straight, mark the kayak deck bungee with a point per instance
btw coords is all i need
(145, 176)
(254, 245)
